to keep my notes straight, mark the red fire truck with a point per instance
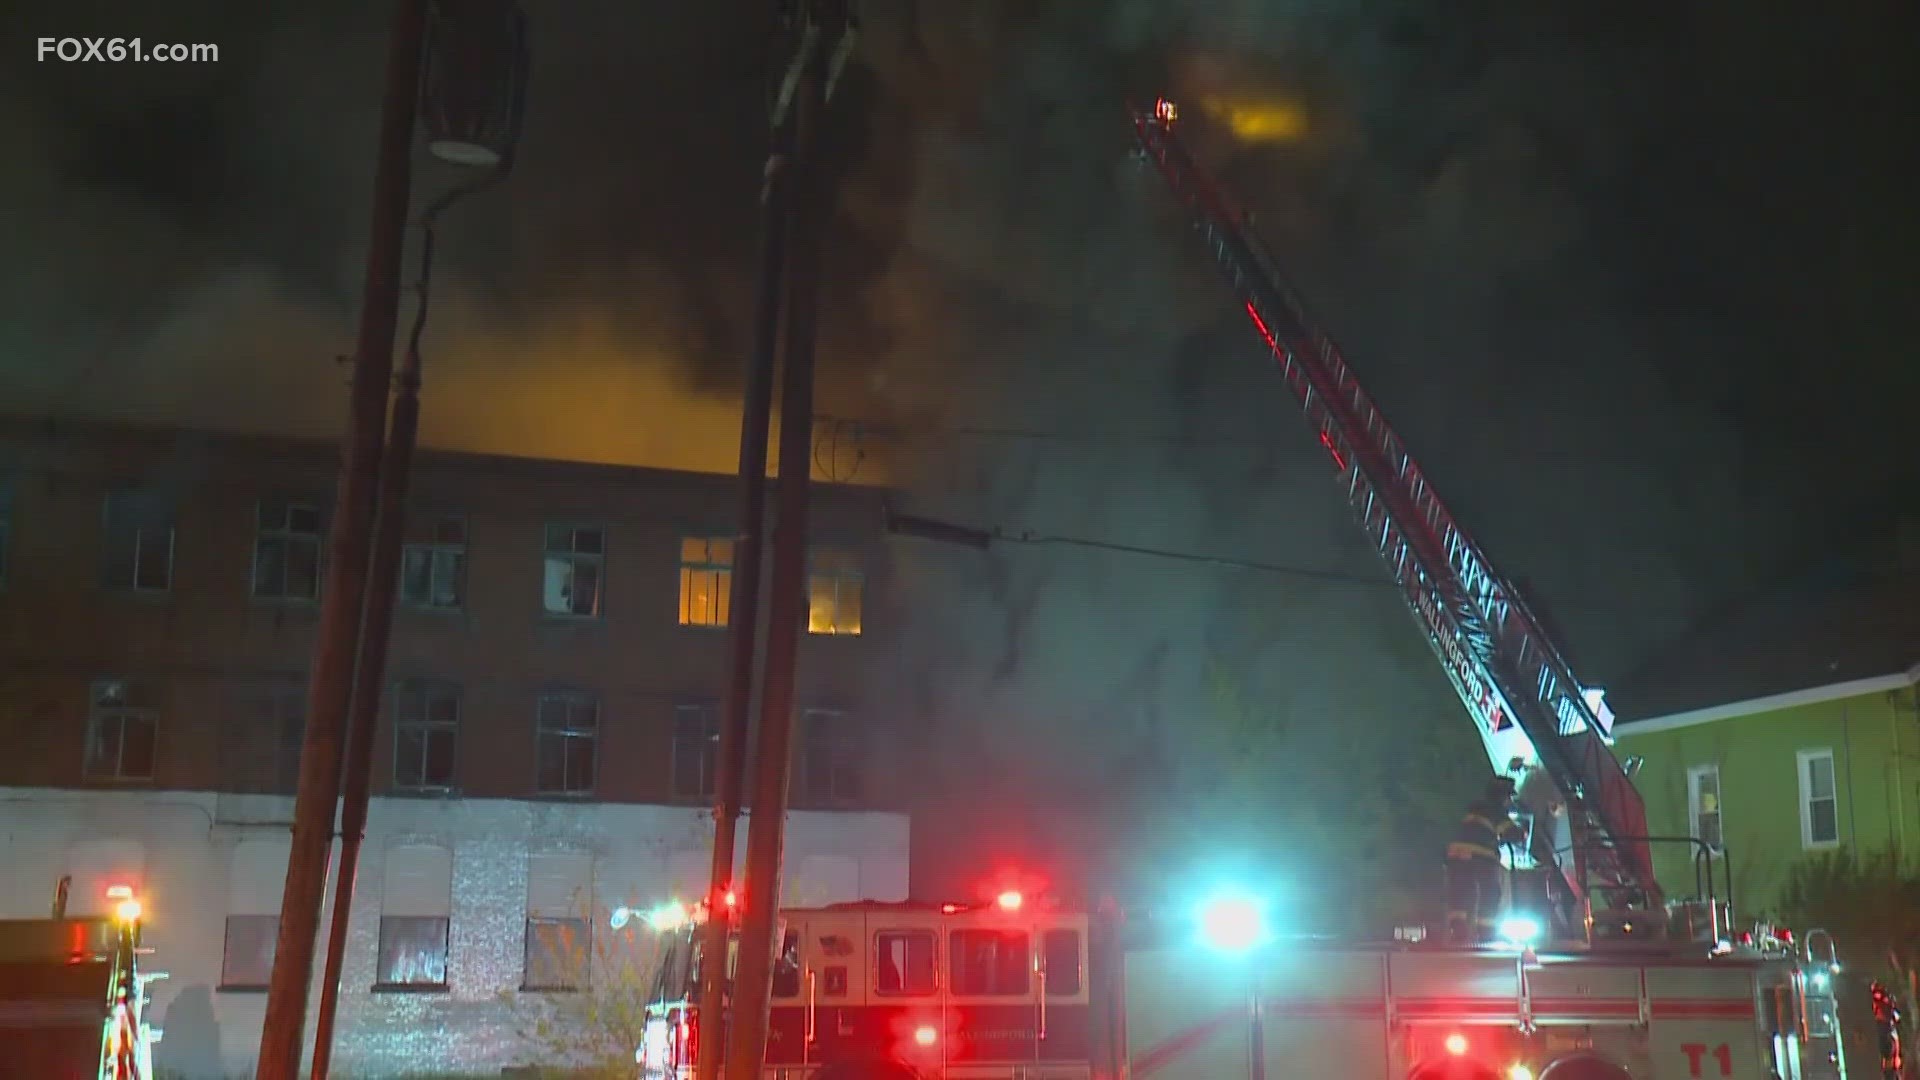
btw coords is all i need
(1625, 985)
(72, 997)
(997, 989)
(1018, 989)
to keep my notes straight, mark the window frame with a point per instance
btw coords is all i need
(583, 975)
(566, 731)
(286, 533)
(927, 932)
(1802, 759)
(709, 711)
(100, 709)
(382, 986)
(1695, 774)
(721, 574)
(226, 983)
(425, 537)
(1025, 935)
(132, 519)
(573, 557)
(854, 571)
(424, 724)
(1048, 983)
(839, 731)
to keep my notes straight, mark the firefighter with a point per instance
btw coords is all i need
(1474, 876)
(1886, 1021)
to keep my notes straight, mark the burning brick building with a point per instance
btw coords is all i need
(545, 752)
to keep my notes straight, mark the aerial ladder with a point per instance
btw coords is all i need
(1534, 717)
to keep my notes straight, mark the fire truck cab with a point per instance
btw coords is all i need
(981, 992)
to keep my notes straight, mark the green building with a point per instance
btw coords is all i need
(1792, 731)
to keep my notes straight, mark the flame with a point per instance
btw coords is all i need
(1258, 116)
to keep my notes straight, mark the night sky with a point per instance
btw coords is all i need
(1635, 281)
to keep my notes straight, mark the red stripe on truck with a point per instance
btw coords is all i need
(1180, 1043)
(1325, 1010)
(1703, 1009)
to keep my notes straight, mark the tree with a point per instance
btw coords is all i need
(592, 1028)
(1871, 906)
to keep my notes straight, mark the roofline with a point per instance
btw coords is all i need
(1812, 695)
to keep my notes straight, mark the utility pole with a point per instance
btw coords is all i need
(825, 25)
(383, 583)
(473, 96)
(344, 590)
(743, 614)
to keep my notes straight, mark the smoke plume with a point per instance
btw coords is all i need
(1561, 248)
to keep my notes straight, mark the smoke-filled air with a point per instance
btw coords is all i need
(1538, 231)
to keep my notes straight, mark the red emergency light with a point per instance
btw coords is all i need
(1010, 900)
(1456, 1044)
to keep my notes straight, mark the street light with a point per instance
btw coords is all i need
(473, 87)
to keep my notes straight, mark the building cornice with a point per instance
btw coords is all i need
(1812, 695)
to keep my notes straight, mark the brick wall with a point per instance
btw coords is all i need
(199, 653)
(184, 851)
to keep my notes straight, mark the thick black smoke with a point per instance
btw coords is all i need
(1631, 282)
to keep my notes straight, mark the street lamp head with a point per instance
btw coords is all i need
(473, 81)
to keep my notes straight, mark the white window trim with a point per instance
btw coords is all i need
(1807, 842)
(1694, 775)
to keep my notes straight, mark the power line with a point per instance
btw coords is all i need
(946, 532)
(1196, 557)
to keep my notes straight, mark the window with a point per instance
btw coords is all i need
(426, 734)
(828, 772)
(559, 925)
(1703, 804)
(6, 524)
(904, 959)
(835, 588)
(557, 951)
(1061, 953)
(433, 564)
(1819, 800)
(137, 547)
(246, 961)
(261, 733)
(576, 557)
(706, 580)
(569, 730)
(286, 551)
(122, 738)
(415, 901)
(696, 750)
(256, 875)
(786, 969)
(988, 963)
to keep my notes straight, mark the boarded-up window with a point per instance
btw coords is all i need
(415, 904)
(256, 877)
(559, 920)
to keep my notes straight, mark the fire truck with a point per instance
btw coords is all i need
(1599, 976)
(998, 989)
(72, 997)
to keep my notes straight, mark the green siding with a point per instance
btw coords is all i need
(1875, 743)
